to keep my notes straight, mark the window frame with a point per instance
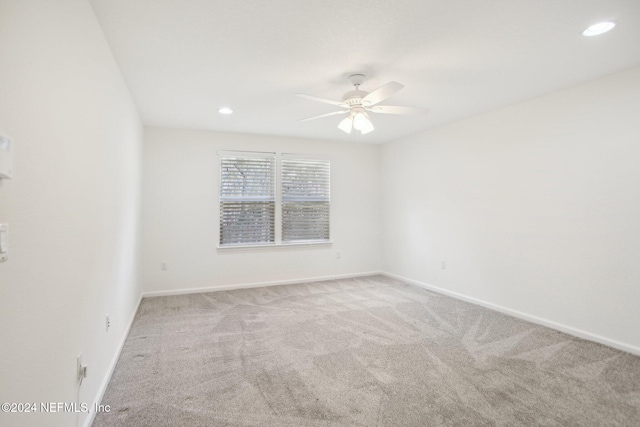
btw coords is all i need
(278, 243)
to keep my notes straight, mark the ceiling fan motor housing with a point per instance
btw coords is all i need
(354, 97)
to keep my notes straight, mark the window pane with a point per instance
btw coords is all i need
(247, 200)
(305, 199)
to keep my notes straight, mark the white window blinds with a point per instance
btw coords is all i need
(305, 199)
(247, 198)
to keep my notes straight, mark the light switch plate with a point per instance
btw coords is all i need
(5, 157)
(4, 242)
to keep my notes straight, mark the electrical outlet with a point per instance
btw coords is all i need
(163, 266)
(81, 370)
(338, 256)
(108, 322)
(444, 265)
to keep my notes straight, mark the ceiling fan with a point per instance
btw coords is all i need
(358, 103)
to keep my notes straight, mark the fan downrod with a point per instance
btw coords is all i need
(356, 79)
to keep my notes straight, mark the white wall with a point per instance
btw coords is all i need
(535, 208)
(181, 208)
(72, 206)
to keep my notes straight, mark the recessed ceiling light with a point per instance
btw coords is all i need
(599, 28)
(225, 110)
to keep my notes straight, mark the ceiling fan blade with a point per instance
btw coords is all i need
(382, 93)
(393, 109)
(322, 115)
(325, 100)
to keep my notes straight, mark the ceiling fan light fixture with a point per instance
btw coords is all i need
(346, 124)
(367, 128)
(362, 123)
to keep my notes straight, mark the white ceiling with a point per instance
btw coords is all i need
(184, 59)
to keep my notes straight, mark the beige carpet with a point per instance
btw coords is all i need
(370, 351)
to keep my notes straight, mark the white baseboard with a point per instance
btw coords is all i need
(529, 318)
(254, 285)
(112, 366)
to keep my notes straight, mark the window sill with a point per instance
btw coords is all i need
(275, 245)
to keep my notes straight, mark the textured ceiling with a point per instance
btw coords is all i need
(184, 59)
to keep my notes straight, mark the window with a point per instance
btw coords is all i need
(247, 198)
(305, 199)
(249, 206)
